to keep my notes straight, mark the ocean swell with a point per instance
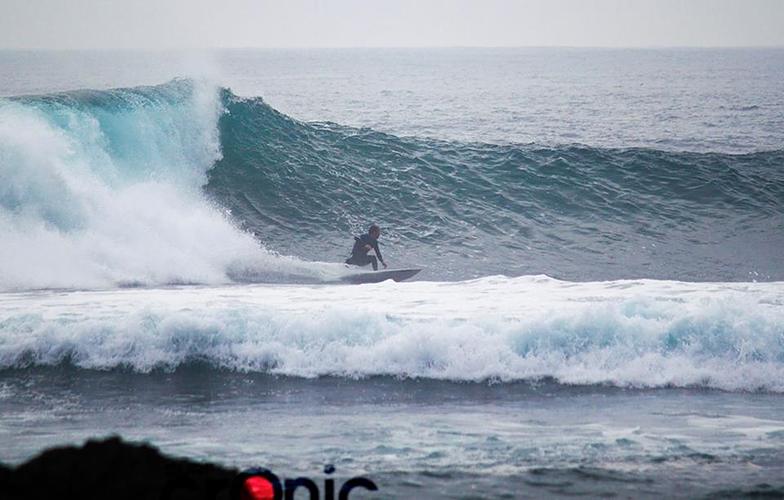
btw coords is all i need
(470, 209)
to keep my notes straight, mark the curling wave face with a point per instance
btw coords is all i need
(188, 183)
(469, 209)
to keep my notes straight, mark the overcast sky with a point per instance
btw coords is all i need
(388, 23)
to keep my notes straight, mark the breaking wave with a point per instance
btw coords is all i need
(188, 183)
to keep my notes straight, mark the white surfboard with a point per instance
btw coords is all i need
(379, 276)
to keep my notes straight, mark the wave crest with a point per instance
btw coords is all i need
(104, 188)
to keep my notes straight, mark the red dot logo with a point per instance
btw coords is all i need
(257, 488)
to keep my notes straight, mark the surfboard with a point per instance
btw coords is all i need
(379, 276)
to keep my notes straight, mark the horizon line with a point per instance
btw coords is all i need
(387, 47)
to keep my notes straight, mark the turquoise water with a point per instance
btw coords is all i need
(601, 309)
(461, 209)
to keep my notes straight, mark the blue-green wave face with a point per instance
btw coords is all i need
(470, 209)
(186, 183)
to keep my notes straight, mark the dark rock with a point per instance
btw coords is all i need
(113, 469)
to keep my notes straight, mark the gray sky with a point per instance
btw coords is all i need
(388, 23)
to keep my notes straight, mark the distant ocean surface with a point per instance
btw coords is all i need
(602, 305)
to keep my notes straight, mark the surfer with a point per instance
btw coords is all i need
(364, 244)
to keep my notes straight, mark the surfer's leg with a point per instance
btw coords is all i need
(374, 261)
(362, 260)
(357, 260)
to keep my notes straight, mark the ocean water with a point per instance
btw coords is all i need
(601, 310)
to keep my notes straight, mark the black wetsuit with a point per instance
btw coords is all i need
(359, 255)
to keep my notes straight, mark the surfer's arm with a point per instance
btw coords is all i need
(378, 254)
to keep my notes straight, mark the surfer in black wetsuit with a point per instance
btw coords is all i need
(364, 244)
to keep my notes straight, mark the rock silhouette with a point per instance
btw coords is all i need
(113, 469)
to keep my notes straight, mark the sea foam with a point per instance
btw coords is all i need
(629, 333)
(104, 188)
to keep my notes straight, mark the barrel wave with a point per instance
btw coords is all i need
(188, 183)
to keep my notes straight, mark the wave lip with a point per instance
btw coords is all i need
(644, 334)
(104, 188)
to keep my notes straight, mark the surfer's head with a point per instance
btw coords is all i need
(374, 231)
